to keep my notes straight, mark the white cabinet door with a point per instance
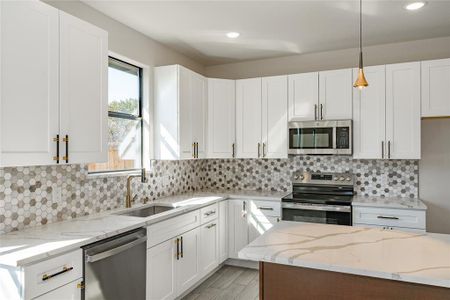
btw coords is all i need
(248, 118)
(335, 95)
(223, 231)
(403, 110)
(369, 121)
(198, 114)
(185, 113)
(83, 89)
(303, 96)
(29, 48)
(209, 241)
(221, 118)
(187, 267)
(274, 117)
(70, 291)
(237, 226)
(436, 88)
(161, 260)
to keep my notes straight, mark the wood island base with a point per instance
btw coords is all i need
(281, 282)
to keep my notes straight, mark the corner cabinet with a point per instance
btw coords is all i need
(180, 113)
(261, 117)
(53, 83)
(386, 114)
(221, 118)
(436, 88)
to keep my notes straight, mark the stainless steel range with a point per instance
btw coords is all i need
(320, 198)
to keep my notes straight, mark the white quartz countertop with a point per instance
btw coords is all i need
(28, 246)
(389, 202)
(389, 254)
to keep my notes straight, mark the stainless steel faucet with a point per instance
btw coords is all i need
(129, 198)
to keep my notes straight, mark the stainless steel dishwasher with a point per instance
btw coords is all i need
(115, 268)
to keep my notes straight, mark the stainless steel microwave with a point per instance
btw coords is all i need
(321, 137)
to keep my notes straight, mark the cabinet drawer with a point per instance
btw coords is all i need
(266, 208)
(389, 217)
(209, 213)
(53, 273)
(160, 232)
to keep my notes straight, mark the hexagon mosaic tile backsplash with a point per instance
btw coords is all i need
(32, 196)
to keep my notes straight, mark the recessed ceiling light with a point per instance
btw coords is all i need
(415, 5)
(233, 35)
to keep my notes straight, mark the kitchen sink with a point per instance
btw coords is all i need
(147, 211)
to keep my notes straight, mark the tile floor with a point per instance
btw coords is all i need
(228, 283)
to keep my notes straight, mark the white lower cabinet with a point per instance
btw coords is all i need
(173, 266)
(209, 241)
(248, 219)
(223, 231)
(238, 226)
(390, 218)
(161, 261)
(187, 269)
(70, 291)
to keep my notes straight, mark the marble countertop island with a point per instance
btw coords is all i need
(374, 252)
(28, 246)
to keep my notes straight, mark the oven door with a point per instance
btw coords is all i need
(317, 213)
(312, 137)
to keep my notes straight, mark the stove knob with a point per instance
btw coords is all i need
(302, 177)
(296, 177)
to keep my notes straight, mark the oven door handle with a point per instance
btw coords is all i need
(335, 208)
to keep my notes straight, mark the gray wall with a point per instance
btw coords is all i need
(434, 173)
(374, 55)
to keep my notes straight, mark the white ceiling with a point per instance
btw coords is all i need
(274, 28)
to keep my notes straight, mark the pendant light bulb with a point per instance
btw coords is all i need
(361, 81)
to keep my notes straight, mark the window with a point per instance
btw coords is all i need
(124, 118)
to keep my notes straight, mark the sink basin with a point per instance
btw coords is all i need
(148, 211)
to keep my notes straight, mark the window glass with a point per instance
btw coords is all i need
(124, 118)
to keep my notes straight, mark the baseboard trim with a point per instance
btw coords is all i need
(242, 263)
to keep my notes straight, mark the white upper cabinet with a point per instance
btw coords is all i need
(221, 118)
(369, 120)
(84, 90)
(29, 65)
(403, 110)
(436, 88)
(199, 110)
(53, 82)
(248, 118)
(303, 96)
(180, 113)
(274, 117)
(335, 95)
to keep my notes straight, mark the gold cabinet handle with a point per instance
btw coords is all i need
(81, 285)
(193, 150)
(66, 157)
(389, 149)
(382, 149)
(56, 139)
(64, 270)
(233, 155)
(210, 226)
(315, 112)
(321, 111)
(259, 150)
(181, 248)
(264, 150)
(178, 248)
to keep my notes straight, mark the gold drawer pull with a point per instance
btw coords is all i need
(210, 226)
(64, 270)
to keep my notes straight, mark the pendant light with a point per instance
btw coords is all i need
(361, 81)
